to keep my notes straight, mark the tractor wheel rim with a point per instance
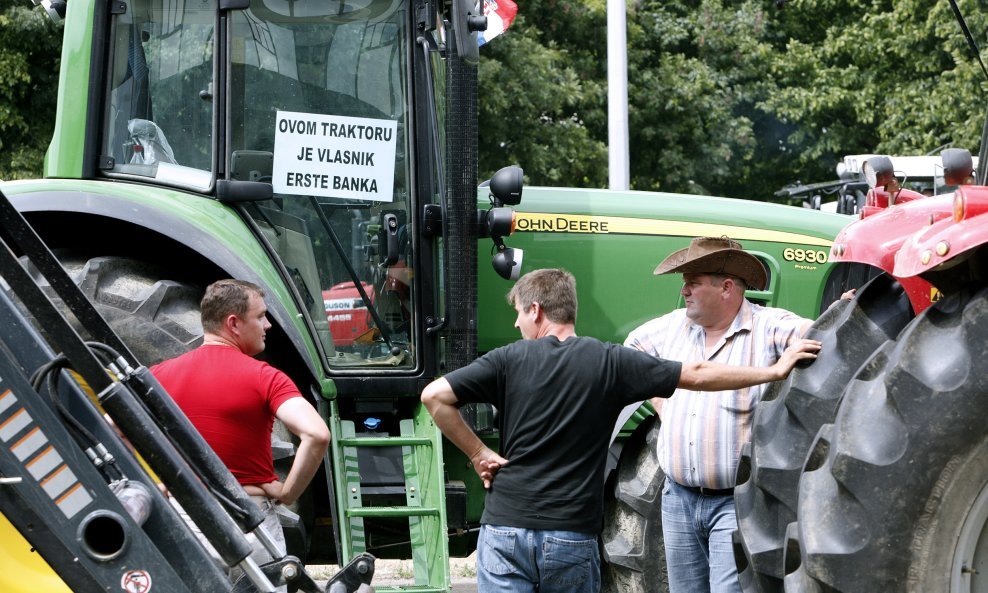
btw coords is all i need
(971, 554)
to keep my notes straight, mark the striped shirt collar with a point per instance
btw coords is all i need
(743, 322)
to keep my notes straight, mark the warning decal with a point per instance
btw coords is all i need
(136, 581)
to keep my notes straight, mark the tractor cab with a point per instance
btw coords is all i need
(302, 113)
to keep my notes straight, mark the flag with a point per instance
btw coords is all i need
(499, 15)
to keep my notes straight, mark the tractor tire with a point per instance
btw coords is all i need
(634, 554)
(157, 319)
(894, 496)
(788, 418)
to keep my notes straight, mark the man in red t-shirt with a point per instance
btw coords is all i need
(232, 399)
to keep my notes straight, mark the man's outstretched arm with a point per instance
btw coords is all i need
(714, 376)
(439, 398)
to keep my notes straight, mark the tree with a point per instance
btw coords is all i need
(693, 75)
(732, 98)
(536, 98)
(28, 88)
(694, 71)
(884, 77)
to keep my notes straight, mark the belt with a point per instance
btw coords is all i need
(709, 491)
(263, 501)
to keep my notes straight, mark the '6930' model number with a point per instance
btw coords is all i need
(812, 256)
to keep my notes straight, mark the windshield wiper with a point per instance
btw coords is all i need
(371, 308)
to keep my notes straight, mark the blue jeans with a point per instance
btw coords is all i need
(697, 530)
(516, 560)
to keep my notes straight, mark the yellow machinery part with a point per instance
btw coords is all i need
(22, 570)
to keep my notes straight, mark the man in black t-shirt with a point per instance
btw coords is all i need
(559, 396)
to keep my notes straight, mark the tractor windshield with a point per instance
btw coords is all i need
(308, 96)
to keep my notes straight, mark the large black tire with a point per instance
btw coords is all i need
(157, 319)
(787, 420)
(895, 494)
(634, 554)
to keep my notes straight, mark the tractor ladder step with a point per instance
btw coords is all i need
(424, 491)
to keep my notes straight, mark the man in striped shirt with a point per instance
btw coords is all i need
(701, 436)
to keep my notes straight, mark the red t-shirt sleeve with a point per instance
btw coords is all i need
(278, 387)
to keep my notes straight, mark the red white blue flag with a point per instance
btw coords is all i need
(499, 15)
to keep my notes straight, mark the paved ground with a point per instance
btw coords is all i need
(397, 573)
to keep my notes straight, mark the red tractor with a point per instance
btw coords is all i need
(868, 470)
(347, 313)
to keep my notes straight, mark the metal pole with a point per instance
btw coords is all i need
(617, 95)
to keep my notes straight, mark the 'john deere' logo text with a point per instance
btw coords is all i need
(559, 224)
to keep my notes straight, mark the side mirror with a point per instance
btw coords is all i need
(958, 166)
(55, 9)
(251, 165)
(468, 19)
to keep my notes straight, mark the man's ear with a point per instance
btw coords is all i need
(231, 323)
(728, 285)
(539, 313)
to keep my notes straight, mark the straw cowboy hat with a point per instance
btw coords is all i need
(716, 255)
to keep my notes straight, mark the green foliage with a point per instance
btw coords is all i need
(692, 69)
(535, 98)
(732, 98)
(893, 78)
(28, 84)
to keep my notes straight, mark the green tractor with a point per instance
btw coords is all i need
(327, 152)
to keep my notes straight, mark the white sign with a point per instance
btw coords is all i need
(334, 156)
